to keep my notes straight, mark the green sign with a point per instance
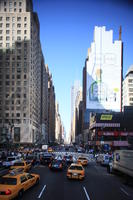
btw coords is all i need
(106, 117)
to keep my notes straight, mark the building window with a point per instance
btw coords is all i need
(7, 19)
(18, 25)
(14, 9)
(7, 38)
(1, 38)
(20, 10)
(25, 31)
(13, 19)
(5, 9)
(130, 80)
(4, 3)
(130, 99)
(18, 38)
(17, 134)
(15, 3)
(18, 19)
(18, 76)
(7, 25)
(7, 31)
(1, 25)
(0, 31)
(7, 45)
(0, 18)
(18, 31)
(18, 115)
(25, 25)
(7, 114)
(25, 19)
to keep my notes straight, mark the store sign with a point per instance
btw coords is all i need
(106, 117)
(120, 143)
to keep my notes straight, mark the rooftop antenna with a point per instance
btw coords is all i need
(120, 31)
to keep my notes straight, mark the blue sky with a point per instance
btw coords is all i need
(66, 32)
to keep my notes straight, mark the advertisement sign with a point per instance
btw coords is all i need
(106, 117)
(104, 72)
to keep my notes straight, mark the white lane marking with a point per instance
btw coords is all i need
(41, 192)
(124, 191)
(86, 193)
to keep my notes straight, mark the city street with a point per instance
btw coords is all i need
(97, 185)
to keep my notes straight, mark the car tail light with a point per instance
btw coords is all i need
(82, 173)
(8, 192)
(68, 173)
(49, 165)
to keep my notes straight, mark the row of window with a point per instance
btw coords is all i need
(13, 19)
(8, 83)
(10, 10)
(13, 45)
(130, 80)
(13, 115)
(7, 76)
(13, 70)
(11, 3)
(18, 45)
(13, 25)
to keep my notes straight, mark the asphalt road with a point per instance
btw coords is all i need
(97, 185)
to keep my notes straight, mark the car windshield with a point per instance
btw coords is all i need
(76, 168)
(82, 158)
(10, 159)
(8, 181)
(19, 164)
(30, 157)
(56, 162)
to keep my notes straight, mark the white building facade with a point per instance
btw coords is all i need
(128, 88)
(104, 67)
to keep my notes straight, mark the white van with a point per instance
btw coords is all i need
(123, 162)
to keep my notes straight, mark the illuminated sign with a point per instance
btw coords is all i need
(106, 117)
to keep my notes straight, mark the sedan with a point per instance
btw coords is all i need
(75, 171)
(16, 183)
(56, 165)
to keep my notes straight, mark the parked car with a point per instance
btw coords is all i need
(15, 183)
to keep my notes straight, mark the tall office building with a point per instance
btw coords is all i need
(20, 72)
(74, 91)
(104, 71)
(51, 109)
(128, 88)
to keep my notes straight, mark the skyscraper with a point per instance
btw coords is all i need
(20, 72)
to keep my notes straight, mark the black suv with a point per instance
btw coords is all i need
(46, 158)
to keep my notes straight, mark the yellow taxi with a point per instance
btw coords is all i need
(15, 183)
(21, 165)
(50, 150)
(76, 171)
(83, 161)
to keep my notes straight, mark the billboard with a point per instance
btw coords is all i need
(104, 73)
